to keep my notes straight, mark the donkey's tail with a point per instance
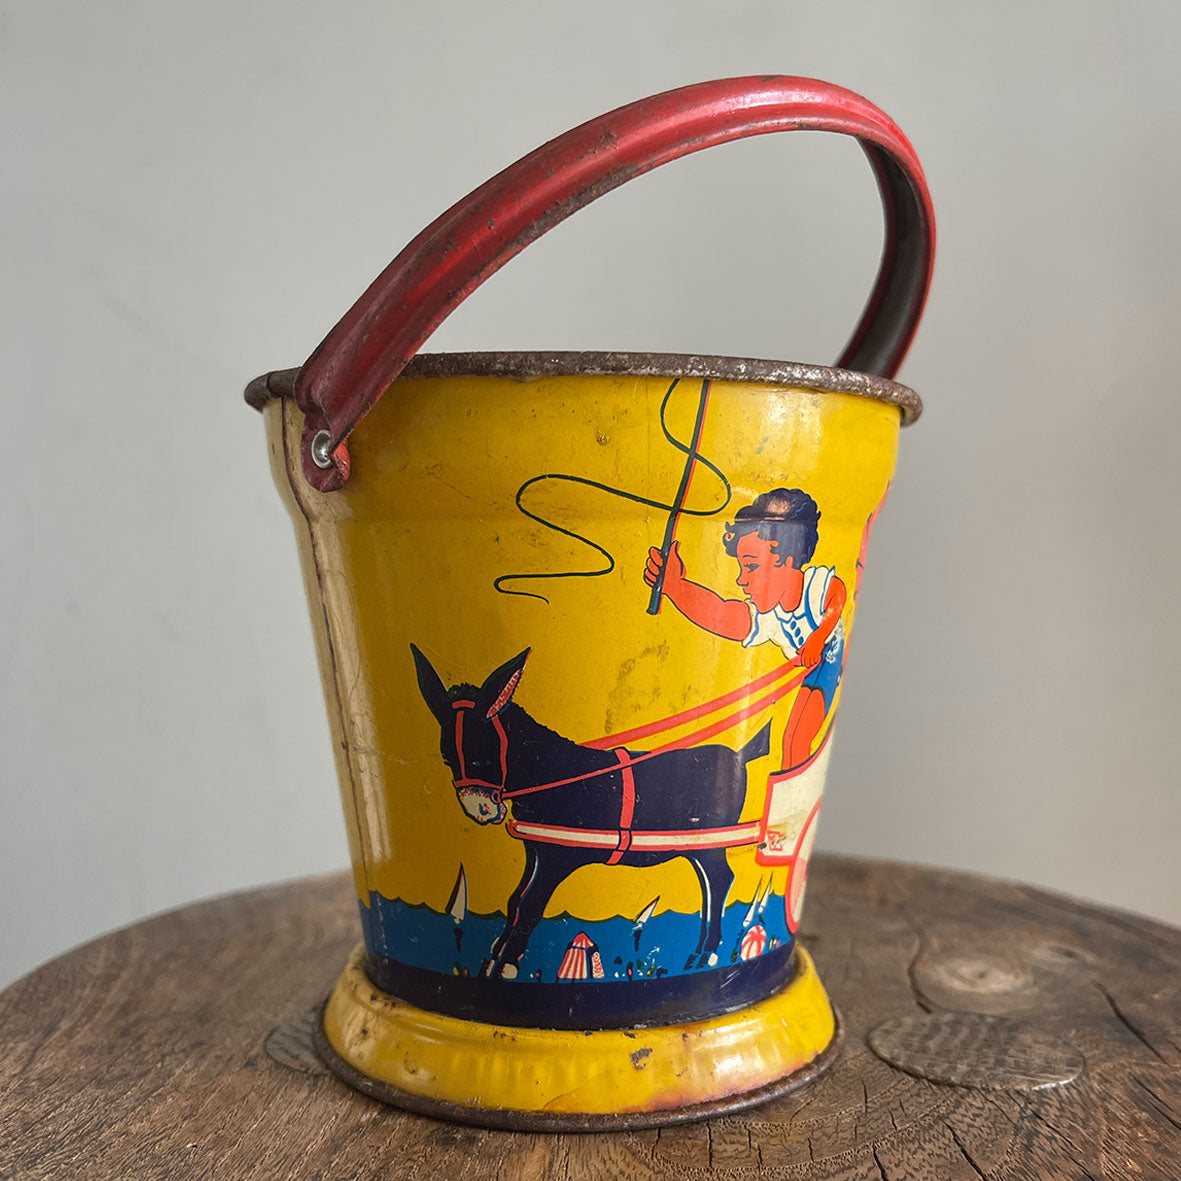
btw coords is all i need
(757, 747)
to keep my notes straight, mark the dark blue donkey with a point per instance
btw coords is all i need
(496, 750)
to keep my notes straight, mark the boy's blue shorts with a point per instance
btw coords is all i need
(827, 674)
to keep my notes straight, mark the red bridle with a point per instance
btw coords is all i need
(465, 780)
(628, 804)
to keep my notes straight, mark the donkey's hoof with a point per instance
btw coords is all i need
(691, 962)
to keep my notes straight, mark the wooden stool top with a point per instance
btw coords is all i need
(142, 1054)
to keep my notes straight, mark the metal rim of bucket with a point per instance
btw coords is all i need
(526, 366)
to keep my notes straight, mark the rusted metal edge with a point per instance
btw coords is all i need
(548, 1121)
(526, 366)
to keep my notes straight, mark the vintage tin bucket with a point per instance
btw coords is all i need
(581, 623)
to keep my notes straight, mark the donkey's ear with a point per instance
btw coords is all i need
(434, 692)
(497, 691)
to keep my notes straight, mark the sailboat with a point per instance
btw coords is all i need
(642, 918)
(755, 908)
(766, 895)
(457, 907)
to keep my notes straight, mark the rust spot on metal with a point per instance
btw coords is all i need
(279, 384)
(638, 1056)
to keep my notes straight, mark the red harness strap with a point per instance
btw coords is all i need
(697, 737)
(627, 807)
(464, 779)
(625, 836)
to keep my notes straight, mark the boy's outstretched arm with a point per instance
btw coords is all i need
(729, 618)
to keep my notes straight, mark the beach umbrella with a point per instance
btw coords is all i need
(576, 963)
(754, 942)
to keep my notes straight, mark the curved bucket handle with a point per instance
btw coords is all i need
(381, 332)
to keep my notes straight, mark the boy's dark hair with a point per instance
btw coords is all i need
(788, 517)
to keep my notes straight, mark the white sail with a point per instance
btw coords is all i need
(647, 912)
(763, 900)
(754, 908)
(457, 906)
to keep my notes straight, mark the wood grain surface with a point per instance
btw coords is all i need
(178, 1048)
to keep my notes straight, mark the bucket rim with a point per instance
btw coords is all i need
(525, 366)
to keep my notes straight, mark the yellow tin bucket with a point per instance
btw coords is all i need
(581, 623)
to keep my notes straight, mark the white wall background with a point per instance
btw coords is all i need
(193, 192)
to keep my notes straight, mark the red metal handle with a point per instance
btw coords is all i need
(381, 332)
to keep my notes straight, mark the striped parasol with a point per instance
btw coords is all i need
(581, 958)
(754, 942)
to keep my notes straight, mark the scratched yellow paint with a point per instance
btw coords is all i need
(473, 1065)
(409, 550)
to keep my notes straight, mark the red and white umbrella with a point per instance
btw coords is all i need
(582, 955)
(754, 942)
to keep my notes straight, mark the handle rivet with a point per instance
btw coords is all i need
(322, 449)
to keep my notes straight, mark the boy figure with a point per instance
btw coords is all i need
(788, 603)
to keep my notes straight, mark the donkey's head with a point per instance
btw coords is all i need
(473, 741)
